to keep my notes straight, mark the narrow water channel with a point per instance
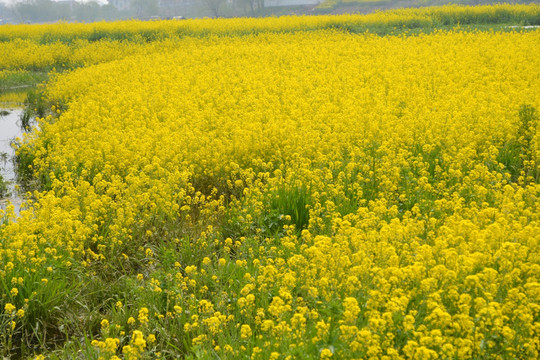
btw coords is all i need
(9, 130)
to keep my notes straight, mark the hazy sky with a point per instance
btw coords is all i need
(14, 1)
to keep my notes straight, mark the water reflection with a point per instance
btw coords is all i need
(13, 99)
(9, 129)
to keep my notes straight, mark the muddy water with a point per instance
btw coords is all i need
(9, 129)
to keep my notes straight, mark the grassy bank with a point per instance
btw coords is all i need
(13, 81)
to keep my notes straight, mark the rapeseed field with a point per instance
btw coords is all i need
(314, 194)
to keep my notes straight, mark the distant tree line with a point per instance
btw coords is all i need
(245, 7)
(44, 11)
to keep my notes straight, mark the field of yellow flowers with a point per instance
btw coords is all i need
(283, 195)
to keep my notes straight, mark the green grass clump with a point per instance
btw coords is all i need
(518, 155)
(10, 80)
(4, 184)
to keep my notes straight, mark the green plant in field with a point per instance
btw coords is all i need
(518, 155)
(3, 187)
(37, 300)
(292, 201)
(4, 191)
(34, 106)
(20, 78)
(528, 117)
(23, 162)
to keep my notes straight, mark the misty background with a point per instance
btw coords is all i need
(49, 11)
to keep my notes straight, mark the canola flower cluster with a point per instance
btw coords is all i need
(68, 45)
(25, 54)
(316, 195)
